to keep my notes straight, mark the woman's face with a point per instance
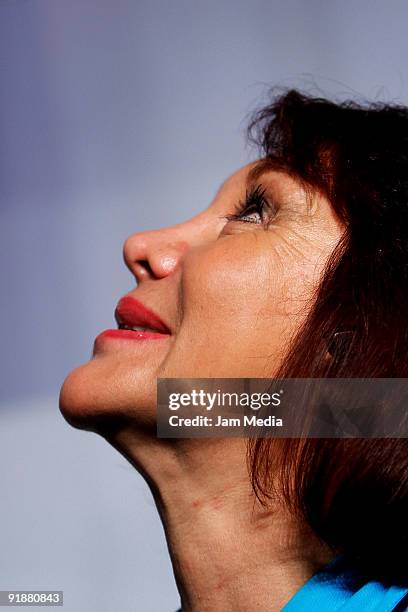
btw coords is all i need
(232, 292)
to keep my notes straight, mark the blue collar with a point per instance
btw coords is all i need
(339, 587)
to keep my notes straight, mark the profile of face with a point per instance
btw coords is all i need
(224, 293)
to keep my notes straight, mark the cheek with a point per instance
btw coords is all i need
(242, 299)
(251, 276)
(241, 302)
(227, 279)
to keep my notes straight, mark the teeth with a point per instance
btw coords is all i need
(136, 328)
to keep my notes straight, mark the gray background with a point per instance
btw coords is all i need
(117, 116)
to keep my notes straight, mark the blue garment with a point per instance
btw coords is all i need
(338, 588)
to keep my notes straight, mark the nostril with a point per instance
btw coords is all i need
(143, 263)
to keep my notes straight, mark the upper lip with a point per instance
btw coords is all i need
(131, 312)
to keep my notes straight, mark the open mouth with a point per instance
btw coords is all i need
(135, 322)
(132, 315)
(136, 328)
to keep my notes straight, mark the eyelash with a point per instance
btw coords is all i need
(254, 202)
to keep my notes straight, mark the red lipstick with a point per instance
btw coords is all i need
(135, 322)
(132, 313)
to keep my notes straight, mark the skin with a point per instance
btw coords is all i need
(233, 293)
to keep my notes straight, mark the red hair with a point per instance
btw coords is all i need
(353, 492)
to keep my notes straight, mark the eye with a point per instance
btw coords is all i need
(254, 208)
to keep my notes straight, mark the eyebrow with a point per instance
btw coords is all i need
(261, 167)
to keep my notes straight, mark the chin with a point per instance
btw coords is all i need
(100, 396)
(75, 399)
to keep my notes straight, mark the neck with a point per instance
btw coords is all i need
(229, 553)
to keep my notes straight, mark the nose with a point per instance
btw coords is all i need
(156, 254)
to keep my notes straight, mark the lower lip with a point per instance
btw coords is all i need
(127, 334)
